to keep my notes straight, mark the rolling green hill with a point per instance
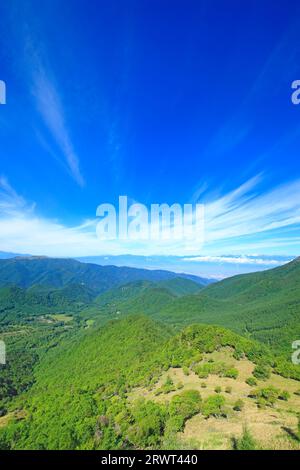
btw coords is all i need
(17, 304)
(144, 296)
(264, 305)
(88, 391)
(142, 364)
(20, 304)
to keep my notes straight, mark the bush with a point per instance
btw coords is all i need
(218, 389)
(265, 396)
(203, 385)
(186, 404)
(238, 354)
(167, 387)
(262, 372)
(251, 381)
(174, 424)
(284, 395)
(246, 442)
(213, 406)
(179, 386)
(231, 373)
(228, 389)
(239, 405)
(202, 371)
(216, 368)
(186, 370)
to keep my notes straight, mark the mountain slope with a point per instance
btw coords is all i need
(90, 392)
(27, 271)
(18, 304)
(175, 287)
(264, 305)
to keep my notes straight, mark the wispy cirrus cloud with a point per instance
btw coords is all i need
(38, 67)
(249, 211)
(51, 109)
(241, 221)
(10, 201)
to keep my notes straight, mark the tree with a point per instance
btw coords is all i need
(246, 442)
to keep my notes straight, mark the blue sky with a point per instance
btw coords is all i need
(163, 101)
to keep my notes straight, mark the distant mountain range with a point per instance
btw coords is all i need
(39, 285)
(27, 271)
(207, 267)
(263, 305)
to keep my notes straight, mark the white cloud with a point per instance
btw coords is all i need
(240, 221)
(51, 109)
(36, 66)
(247, 212)
(236, 260)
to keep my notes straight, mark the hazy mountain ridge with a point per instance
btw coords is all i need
(58, 272)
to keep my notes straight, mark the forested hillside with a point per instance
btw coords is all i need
(264, 306)
(92, 390)
(143, 364)
(50, 272)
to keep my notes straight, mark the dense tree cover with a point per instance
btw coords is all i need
(72, 381)
(79, 397)
(264, 306)
(24, 347)
(57, 273)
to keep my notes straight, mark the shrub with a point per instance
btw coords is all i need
(297, 393)
(265, 396)
(284, 395)
(202, 371)
(179, 386)
(238, 354)
(213, 406)
(218, 389)
(186, 370)
(203, 385)
(186, 404)
(167, 387)
(239, 405)
(231, 373)
(174, 424)
(246, 442)
(228, 389)
(262, 372)
(251, 381)
(217, 368)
